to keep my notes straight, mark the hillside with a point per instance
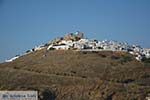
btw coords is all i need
(76, 68)
(78, 75)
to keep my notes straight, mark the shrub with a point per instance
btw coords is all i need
(147, 91)
(132, 99)
(74, 72)
(52, 49)
(115, 57)
(146, 60)
(127, 81)
(126, 58)
(47, 95)
(103, 55)
(84, 52)
(83, 76)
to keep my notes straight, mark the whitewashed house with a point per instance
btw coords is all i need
(49, 47)
(40, 47)
(68, 42)
(12, 59)
(139, 57)
(59, 47)
(79, 46)
(87, 44)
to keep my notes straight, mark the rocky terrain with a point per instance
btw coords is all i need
(75, 74)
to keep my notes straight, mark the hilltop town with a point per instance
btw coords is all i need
(76, 41)
(73, 67)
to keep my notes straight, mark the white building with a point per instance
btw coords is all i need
(86, 44)
(58, 47)
(68, 42)
(139, 57)
(12, 59)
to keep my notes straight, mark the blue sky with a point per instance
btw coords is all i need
(26, 23)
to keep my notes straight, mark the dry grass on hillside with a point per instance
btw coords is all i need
(76, 75)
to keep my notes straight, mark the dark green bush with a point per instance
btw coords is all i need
(125, 58)
(115, 57)
(132, 99)
(103, 55)
(146, 60)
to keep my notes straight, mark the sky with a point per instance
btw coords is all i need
(27, 23)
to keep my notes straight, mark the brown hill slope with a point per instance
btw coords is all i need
(76, 75)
